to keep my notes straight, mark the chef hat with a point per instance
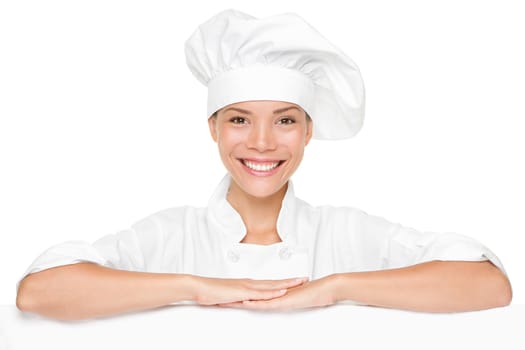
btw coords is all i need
(282, 58)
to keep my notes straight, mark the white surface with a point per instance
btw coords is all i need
(336, 327)
(101, 121)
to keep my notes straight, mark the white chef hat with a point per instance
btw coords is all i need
(282, 58)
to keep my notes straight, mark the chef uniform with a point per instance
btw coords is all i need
(316, 241)
(242, 58)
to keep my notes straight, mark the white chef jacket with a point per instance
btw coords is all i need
(315, 242)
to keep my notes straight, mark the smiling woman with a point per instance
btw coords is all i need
(261, 144)
(256, 245)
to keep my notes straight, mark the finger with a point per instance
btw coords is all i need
(264, 294)
(274, 304)
(236, 304)
(253, 295)
(248, 304)
(277, 284)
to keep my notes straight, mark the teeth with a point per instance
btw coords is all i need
(260, 167)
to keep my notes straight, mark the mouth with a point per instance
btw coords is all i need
(266, 167)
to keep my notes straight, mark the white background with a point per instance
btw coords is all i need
(101, 122)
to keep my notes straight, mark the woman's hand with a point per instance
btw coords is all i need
(220, 291)
(435, 286)
(316, 293)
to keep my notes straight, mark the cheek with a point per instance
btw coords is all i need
(228, 139)
(295, 141)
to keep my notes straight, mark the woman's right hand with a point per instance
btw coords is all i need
(216, 291)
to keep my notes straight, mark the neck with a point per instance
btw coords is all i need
(258, 214)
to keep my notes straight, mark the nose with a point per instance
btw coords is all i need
(261, 138)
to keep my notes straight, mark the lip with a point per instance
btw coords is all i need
(261, 161)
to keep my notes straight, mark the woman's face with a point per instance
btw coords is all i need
(261, 143)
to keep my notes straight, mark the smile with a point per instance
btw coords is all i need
(261, 166)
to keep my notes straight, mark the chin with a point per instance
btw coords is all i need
(258, 187)
(263, 192)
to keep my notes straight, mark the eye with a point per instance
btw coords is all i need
(238, 120)
(286, 120)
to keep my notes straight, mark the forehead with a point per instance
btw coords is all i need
(262, 107)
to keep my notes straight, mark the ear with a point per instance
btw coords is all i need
(212, 124)
(309, 131)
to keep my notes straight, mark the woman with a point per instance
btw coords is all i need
(273, 84)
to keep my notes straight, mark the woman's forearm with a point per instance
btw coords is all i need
(436, 286)
(87, 290)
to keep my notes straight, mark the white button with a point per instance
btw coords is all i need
(285, 253)
(233, 256)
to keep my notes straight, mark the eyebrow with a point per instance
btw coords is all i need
(282, 110)
(244, 111)
(240, 110)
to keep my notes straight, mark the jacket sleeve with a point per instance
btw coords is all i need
(377, 243)
(123, 250)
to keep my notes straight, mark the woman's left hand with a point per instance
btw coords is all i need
(320, 292)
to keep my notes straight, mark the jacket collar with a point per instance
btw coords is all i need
(224, 219)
